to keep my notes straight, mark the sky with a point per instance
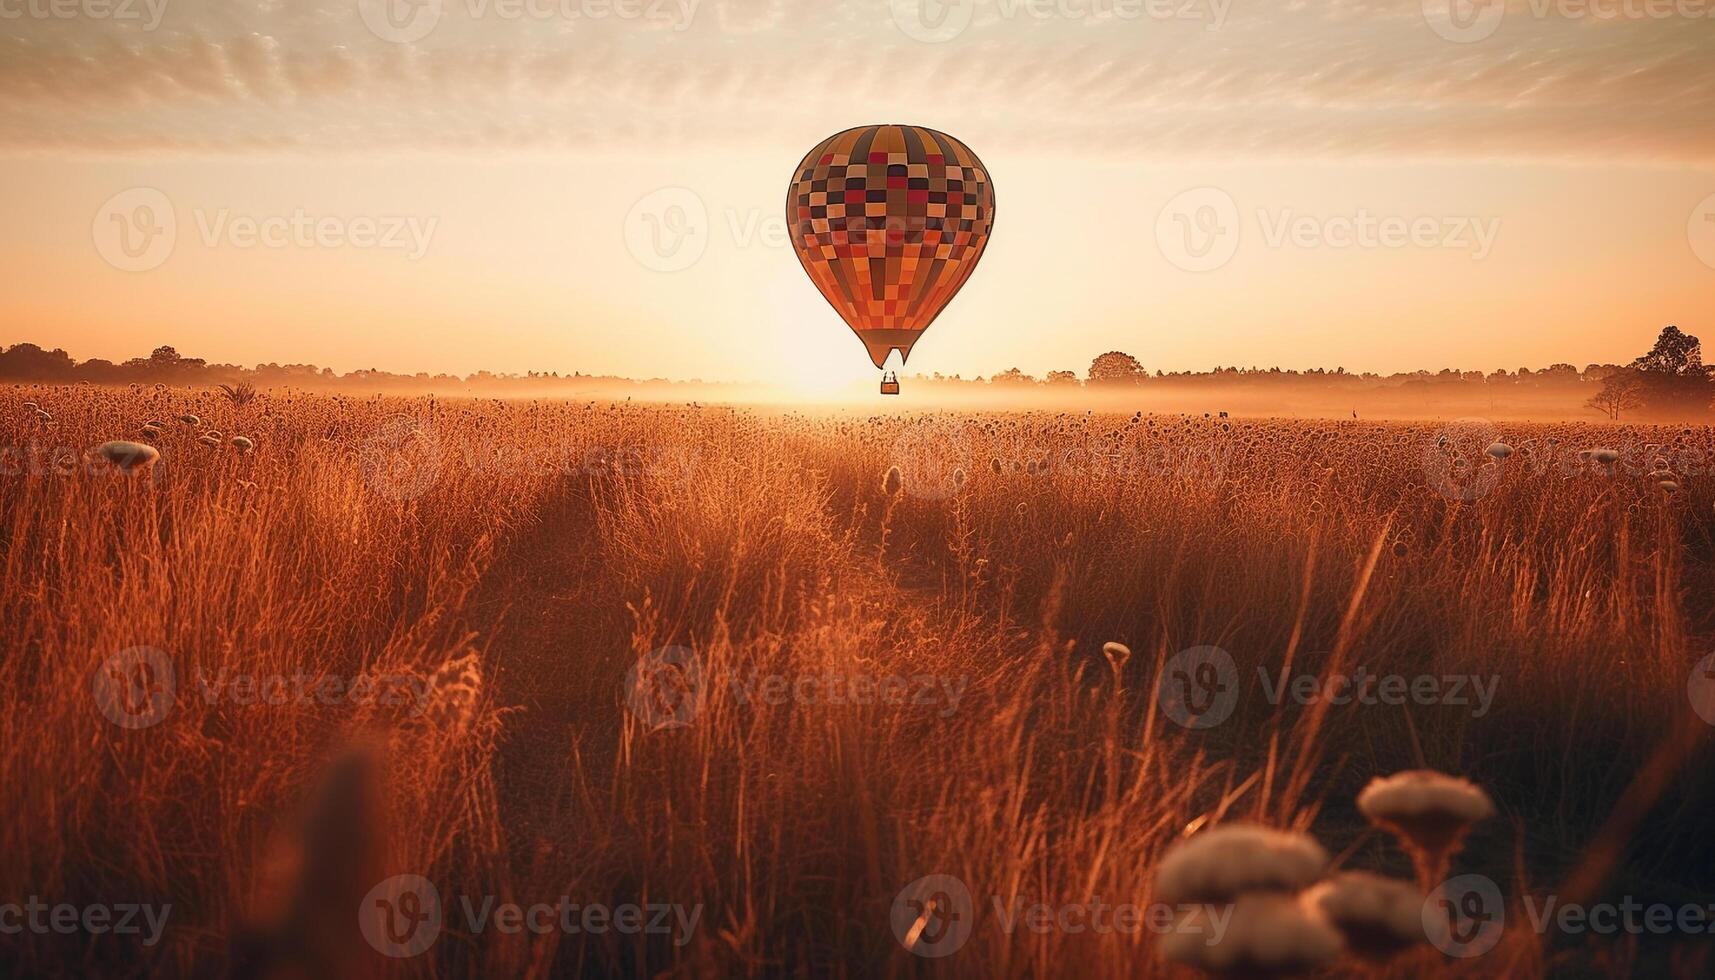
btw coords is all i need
(598, 185)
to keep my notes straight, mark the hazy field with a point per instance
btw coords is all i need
(880, 677)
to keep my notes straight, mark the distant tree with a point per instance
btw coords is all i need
(1116, 367)
(1672, 376)
(166, 362)
(31, 361)
(1675, 352)
(1062, 377)
(1621, 392)
(98, 369)
(1013, 376)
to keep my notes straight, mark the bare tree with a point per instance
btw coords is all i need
(1621, 391)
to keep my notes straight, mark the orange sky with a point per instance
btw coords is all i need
(531, 186)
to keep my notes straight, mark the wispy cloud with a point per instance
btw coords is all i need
(1296, 78)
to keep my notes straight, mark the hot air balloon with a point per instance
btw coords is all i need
(889, 222)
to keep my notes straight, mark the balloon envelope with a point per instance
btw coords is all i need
(889, 221)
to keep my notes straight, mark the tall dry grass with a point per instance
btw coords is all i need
(512, 561)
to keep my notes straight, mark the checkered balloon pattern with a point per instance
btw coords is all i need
(889, 221)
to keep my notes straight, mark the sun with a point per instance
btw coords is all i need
(810, 353)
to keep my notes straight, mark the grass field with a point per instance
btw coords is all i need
(767, 669)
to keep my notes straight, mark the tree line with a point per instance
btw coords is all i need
(1670, 378)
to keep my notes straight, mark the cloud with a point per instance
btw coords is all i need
(1301, 78)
